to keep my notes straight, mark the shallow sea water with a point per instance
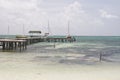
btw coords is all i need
(91, 49)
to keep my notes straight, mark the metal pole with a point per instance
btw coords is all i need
(48, 27)
(8, 30)
(23, 30)
(68, 28)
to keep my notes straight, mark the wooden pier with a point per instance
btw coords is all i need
(20, 43)
(12, 44)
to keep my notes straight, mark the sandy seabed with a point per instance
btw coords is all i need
(31, 66)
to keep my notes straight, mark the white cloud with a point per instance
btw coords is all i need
(105, 14)
(15, 13)
(18, 4)
(80, 19)
(77, 14)
(72, 10)
(21, 10)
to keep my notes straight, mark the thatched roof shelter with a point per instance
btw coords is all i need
(35, 32)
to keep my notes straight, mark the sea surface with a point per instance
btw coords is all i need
(91, 47)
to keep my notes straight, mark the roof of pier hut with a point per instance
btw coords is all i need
(35, 32)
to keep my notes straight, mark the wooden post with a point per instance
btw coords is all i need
(3, 47)
(100, 57)
(54, 45)
(25, 45)
(20, 46)
(15, 45)
(8, 45)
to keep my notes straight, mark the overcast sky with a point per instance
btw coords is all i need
(86, 17)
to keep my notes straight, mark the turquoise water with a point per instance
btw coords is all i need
(7, 36)
(91, 46)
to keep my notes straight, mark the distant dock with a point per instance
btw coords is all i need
(60, 39)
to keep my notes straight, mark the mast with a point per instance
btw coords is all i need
(68, 28)
(68, 36)
(23, 30)
(8, 30)
(49, 31)
(48, 27)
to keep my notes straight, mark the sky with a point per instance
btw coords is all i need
(85, 17)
